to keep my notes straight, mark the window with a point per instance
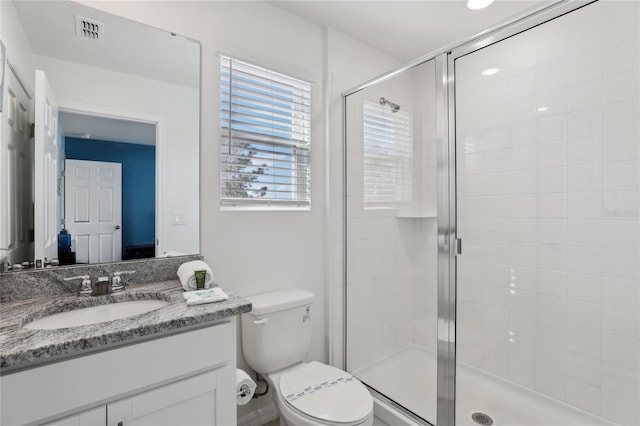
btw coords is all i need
(388, 157)
(265, 129)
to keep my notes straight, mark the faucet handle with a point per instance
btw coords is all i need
(86, 283)
(116, 281)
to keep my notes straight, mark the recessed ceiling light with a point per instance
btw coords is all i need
(478, 4)
(490, 71)
(543, 108)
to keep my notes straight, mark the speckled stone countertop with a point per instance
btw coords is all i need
(22, 348)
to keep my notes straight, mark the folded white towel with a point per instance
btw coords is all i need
(198, 297)
(188, 278)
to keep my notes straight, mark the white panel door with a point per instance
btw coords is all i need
(48, 155)
(93, 417)
(16, 168)
(189, 402)
(93, 210)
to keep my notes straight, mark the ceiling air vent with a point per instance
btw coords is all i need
(89, 28)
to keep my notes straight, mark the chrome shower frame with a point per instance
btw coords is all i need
(446, 189)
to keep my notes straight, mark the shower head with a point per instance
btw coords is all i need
(394, 107)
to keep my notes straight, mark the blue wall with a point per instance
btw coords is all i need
(138, 183)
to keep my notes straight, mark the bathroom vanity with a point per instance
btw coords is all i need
(173, 365)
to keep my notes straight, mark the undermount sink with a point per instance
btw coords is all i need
(95, 314)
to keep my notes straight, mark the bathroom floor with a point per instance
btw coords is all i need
(477, 392)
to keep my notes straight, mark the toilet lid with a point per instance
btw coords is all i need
(326, 393)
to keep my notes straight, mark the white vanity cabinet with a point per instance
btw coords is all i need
(183, 379)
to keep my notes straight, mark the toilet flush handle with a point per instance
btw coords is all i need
(260, 321)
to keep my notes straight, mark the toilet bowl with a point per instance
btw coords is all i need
(276, 337)
(318, 394)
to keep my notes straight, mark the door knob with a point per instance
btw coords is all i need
(117, 226)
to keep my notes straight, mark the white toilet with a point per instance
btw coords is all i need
(276, 337)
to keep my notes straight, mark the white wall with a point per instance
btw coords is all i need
(176, 107)
(549, 209)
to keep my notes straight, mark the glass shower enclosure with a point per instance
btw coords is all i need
(492, 225)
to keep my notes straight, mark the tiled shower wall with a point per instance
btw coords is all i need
(549, 209)
(392, 252)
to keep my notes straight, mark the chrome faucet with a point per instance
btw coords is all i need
(116, 282)
(85, 288)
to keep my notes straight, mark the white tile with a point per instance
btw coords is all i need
(523, 182)
(523, 157)
(584, 123)
(522, 230)
(584, 67)
(587, 94)
(584, 178)
(551, 180)
(584, 205)
(473, 163)
(584, 342)
(620, 117)
(623, 205)
(496, 183)
(551, 231)
(523, 326)
(583, 368)
(584, 287)
(552, 129)
(622, 175)
(497, 138)
(621, 322)
(621, 56)
(551, 75)
(497, 160)
(523, 254)
(586, 260)
(620, 408)
(497, 364)
(552, 206)
(552, 154)
(523, 133)
(522, 373)
(621, 351)
(585, 150)
(551, 333)
(550, 383)
(552, 102)
(621, 293)
(523, 206)
(497, 206)
(551, 308)
(553, 283)
(587, 233)
(584, 314)
(521, 85)
(522, 302)
(552, 256)
(583, 395)
(622, 264)
(621, 87)
(621, 234)
(551, 358)
(621, 380)
(522, 349)
(620, 146)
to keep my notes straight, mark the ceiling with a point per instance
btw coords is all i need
(106, 129)
(407, 30)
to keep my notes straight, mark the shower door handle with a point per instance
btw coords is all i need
(457, 246)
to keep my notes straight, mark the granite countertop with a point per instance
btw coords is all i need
(22, 348)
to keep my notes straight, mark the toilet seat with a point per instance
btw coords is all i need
(326, 393)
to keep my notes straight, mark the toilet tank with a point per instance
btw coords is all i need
(277, 332)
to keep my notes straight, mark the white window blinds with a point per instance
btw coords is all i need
(388, 156)
(265, 129)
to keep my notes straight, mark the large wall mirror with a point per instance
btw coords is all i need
(109, 170)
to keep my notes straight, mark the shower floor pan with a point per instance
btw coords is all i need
(506, 403)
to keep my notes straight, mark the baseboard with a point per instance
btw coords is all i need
(260, 416)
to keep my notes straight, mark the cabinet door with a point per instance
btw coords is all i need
(198, 400)
(94, 417)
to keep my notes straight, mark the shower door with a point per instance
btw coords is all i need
(391, 239)
(548, 190)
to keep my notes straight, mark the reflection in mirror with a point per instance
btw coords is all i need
(113, 158)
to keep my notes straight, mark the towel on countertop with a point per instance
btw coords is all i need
(188, 278)
(198, 297)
